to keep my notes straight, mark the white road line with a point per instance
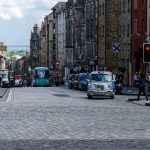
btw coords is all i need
(10, 97)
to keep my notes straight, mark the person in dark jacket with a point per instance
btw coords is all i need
(142, 84)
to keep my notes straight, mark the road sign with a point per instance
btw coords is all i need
(3, 48)
(116, 47)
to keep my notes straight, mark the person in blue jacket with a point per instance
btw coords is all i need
(141, 84)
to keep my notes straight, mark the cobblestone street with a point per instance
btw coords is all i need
(60, 118)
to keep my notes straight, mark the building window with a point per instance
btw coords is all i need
(123, 32)
(100, 9)
(142, 3)
(123, 6)
(120, 7)
(135, 4)
(100, 33)
(128, 5)
(149, 27)
(135, 26)
(128, 29)
(87, 31)
(91, 30)
(35, 44)
(143, 26)
(103, 31)
(88, 11)
(103, 9)
(120, 30)
(92, 11)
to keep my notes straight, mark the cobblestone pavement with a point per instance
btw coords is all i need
(60, 118)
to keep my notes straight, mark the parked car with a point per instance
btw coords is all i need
(70, 81)
(101, 84)
(75, 81)
(5, 80)
(83, 81)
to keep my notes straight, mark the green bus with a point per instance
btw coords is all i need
(41, 76)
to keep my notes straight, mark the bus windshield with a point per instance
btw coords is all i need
(42, 73)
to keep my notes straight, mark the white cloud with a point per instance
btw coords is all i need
(10, 9)
(18, 17)
(5, 16)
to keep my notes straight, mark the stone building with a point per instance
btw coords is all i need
(59, 37)
(138, 31)
(148, 30)
(35, 47)
(80, 36)
(124, 38)
(50, 40)
(148, 21)
(69, 37)
(91, 34)
(47, 41)
(114, 36)
(107, 34)
(44, 44)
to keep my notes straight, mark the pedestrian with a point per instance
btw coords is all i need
(141, 85)
(0, 80)
(136, 76)
(120, 78)
(148, 82)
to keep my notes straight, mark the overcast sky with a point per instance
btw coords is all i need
(17, 18)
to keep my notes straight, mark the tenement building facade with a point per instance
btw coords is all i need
(35, 47)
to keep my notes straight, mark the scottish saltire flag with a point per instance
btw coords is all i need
(116, 47)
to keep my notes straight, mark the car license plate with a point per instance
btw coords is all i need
(98, 89)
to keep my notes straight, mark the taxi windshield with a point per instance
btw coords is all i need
(101, 77)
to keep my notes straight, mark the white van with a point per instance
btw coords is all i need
(101, 84)
(5, 79)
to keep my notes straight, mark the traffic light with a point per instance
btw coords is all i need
(146, 53)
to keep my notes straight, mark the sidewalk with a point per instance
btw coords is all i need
(130, 91)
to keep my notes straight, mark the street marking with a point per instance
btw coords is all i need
(10, 97)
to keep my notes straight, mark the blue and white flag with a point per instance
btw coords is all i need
(116, 47)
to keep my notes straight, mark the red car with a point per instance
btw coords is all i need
(19, 80)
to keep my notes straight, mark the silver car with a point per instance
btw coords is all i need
(101, 84)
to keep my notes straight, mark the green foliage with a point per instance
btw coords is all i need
(21, 53)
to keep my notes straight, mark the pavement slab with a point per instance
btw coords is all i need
(60, 118)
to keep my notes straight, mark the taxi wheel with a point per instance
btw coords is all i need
(112, 97)
(89, 97)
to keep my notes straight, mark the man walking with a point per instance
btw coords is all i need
(142, 84)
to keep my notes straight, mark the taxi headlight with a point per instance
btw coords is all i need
(91, 87)
(110, 86)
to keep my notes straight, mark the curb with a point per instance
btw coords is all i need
(131, 94)
(3, 93)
